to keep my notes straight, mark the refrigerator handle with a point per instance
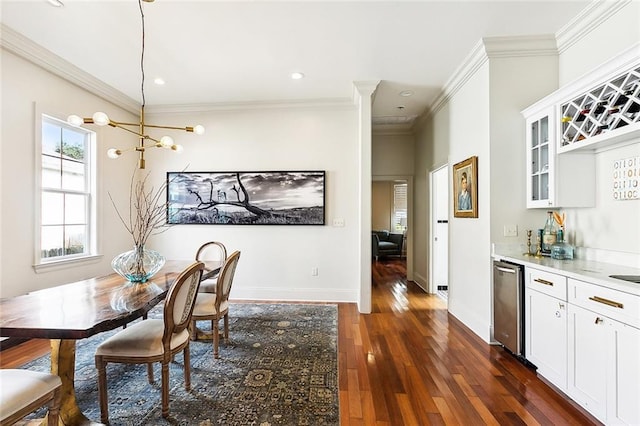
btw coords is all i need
(510, 271)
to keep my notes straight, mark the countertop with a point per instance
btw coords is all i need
(579, 269)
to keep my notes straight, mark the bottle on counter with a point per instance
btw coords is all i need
(561, 250)
(549, 233)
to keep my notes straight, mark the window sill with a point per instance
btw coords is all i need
(56, 265)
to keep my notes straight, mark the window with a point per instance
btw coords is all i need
(67, 192)
(400, 206)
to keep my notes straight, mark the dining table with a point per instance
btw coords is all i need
(78, 310)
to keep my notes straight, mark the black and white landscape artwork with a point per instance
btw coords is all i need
(246, 198)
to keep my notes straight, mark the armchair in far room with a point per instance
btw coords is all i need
(384, 243)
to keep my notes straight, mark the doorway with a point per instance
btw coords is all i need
(439, 259)
(391, 207)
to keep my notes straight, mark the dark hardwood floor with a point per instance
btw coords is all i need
(410, 363)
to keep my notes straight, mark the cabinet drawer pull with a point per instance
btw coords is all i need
(545, 282)
(607, 302)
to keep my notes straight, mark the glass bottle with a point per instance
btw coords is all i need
(561, 249)
(549, 233)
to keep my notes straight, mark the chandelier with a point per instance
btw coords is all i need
(138, 129)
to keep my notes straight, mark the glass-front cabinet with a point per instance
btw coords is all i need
(540, 152)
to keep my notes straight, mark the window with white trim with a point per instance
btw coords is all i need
(66, 228)
(399, 207)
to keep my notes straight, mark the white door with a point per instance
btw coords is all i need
(440, 228)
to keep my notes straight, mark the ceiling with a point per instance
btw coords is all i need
(237, 52)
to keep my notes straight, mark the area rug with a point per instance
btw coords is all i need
(278, 368)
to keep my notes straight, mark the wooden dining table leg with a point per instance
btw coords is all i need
(63, 363)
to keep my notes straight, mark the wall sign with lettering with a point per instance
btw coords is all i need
(626, 179)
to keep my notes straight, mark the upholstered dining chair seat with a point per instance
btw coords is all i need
(206, 305)
(142, 339)
(209, 285)
(24, 391)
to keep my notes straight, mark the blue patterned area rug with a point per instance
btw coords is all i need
(279, 368)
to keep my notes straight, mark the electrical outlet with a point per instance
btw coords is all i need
(510, 231)
(314, 271)
(338, 221)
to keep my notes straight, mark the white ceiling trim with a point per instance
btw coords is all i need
(516, 47)
(25, 48)
(589, 18)
(493, 47)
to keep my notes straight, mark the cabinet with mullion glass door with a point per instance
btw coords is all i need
(555, 181)
(605, 114)
(539, 192)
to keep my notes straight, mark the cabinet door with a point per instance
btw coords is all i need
(623, 400)
(540, 156)
(546, 336)
(588, 346)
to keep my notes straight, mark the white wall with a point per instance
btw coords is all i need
(509, 96)
(392, 155)
(469, 242)
(276, 261)
(432, 152)
(25, 86)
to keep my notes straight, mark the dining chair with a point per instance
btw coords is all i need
(212, 251)
(24, 391)
(215, 306)
(154, 340)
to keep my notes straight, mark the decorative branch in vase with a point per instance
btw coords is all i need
(147, 216)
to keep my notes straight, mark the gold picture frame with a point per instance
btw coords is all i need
(465, 188)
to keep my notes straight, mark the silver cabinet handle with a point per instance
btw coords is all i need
(510, 271)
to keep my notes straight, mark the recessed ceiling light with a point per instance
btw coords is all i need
(297, 75)
(56, 3)
(406, 93)
(159, 81)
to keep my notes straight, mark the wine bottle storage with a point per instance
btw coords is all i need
(610, 106)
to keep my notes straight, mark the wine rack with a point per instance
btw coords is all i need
(608, 107)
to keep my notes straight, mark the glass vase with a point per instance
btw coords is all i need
(138, 265)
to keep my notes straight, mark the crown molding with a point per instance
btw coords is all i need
(520, 46)
(490, 48)
(25, 48)
(587, 20)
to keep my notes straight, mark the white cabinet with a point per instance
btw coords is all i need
(546, 325)
(551, 179)
(585, 340)
(604, 352)
(623, 407)
(588, 360)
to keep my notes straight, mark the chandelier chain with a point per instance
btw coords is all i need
(142, 54)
